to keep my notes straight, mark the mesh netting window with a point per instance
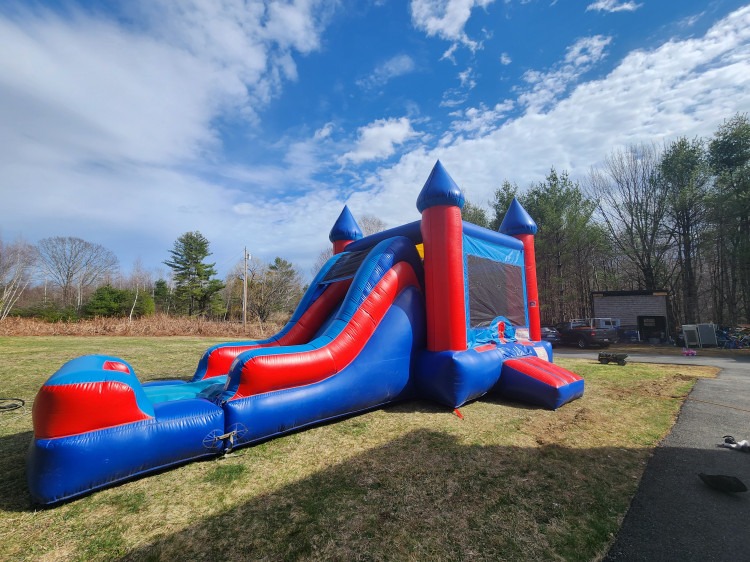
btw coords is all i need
(495, 289)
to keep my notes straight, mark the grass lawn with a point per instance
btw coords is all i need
(407, 482)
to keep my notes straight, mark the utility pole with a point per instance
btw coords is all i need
(244, 295)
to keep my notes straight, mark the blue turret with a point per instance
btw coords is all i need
(345, 230)
(439, 189)
(517, 221)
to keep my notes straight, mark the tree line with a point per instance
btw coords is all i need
(67, 278)
(673, 217)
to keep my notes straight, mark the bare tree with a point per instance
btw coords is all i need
(321, 260)
(139, 277)
(274, 287)
(633, 205)
(74, 265)
(370, 224)
(16, 263)
(233, 292)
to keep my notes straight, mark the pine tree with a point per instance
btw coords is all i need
(194, 286)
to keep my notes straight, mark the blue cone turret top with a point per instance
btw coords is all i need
(517, 220)
(439, 189)
(345, 227)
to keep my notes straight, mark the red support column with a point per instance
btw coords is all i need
(532, 293)
(340, 245)
(444, 278)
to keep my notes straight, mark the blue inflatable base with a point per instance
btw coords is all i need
(181, 431)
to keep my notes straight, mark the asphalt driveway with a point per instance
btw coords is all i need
(674, 515)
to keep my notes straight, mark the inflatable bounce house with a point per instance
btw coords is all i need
(438, 308)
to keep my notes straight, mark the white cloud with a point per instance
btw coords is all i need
(108, 124)
(478, 121)
(446, 19)
(453, 97)
(467, 78)
(448, 54)
(613, 6)
(394, 67)
(683, 87)
(324, 132)
(547, 87)
(379, 139)
(505, 59)
(82, 89)
(586, 51)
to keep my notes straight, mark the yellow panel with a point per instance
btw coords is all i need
(420, 250)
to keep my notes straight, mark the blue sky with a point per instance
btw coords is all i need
(129, 123)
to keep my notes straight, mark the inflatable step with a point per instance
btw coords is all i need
(531, 379)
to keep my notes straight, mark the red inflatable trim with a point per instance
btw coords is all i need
(313, 318)
(116, 366)
(543, 371)
(71, 409)
(303, 331)
(266, 373)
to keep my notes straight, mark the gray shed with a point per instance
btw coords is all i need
(645, 311)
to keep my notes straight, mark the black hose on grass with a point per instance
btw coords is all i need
(8, 404)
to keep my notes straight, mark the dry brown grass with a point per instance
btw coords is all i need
(156, 325)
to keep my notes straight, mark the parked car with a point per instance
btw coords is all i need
(585, 333)
(550, 334)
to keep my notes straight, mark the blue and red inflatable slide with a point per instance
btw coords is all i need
(434, 309)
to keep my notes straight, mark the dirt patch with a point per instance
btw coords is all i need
(558, 426)
(660, 388)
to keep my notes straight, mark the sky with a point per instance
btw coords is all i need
(129, 123)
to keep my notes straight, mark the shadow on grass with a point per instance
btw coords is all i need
(494, 398)
(428, 496)
(423, 496)
(14, 494)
